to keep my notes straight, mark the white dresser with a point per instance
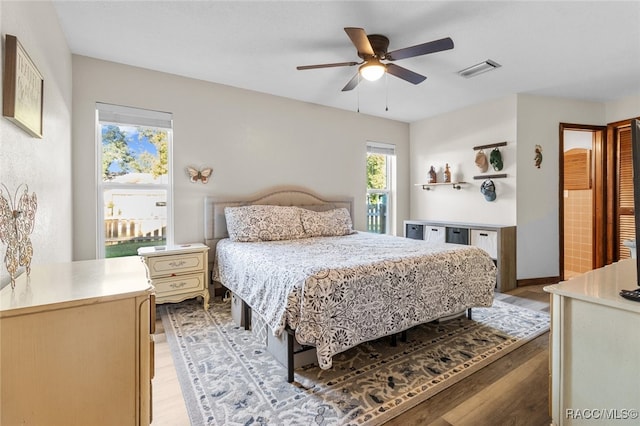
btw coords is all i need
(76, 345)
(178, 272)
(595, 348)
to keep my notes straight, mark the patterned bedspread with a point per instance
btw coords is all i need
(337, 292)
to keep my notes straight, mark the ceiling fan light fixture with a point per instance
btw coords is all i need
(480, 68)
(372, 70)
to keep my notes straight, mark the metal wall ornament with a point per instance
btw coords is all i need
(17, 218)
(538, 156)
(199, 175)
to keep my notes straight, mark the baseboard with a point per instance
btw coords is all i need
(538, 281)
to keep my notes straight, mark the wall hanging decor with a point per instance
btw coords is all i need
(17, 217)
(481, 161)
(538, 157)
(23, 88)
(488, 189)
(199, 175)
(495, 158)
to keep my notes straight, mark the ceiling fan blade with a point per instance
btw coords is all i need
(337, 64)
(421, 49)
(360, 41)
(352, 83)
(405, 74)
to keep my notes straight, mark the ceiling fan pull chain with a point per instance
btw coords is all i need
(358, 92)
(386, 84)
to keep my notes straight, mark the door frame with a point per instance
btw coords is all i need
(599, 187)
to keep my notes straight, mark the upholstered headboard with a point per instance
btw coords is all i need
(215, 225)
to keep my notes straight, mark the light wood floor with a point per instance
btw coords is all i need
(513, 390)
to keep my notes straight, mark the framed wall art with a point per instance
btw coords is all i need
(23, 88)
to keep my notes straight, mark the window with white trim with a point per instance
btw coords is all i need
(381, 161)
(134, 179)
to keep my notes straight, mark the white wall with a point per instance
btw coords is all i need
(43, 164)
(538, 214)
(523, 121)
(253, 141)
(622, 109)
(450, 138)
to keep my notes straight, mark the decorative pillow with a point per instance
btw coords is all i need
(263, 223)
(327, 224)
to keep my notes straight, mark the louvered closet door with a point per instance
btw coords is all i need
(626, 219)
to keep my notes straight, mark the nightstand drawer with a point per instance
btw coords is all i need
(176, 264)
(179, 284)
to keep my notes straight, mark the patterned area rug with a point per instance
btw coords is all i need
(228, 378)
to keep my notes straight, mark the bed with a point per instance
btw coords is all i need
(293, 258)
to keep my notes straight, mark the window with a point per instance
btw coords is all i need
(381, 159)
(134, 179)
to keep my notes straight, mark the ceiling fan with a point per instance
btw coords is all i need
(373, 49)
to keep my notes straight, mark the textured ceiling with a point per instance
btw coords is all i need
(585, 50)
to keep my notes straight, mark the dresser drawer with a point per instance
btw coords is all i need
(176, 264)
(179, 284)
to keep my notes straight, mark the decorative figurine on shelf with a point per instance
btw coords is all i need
(538, 156)
(16, 224)
(432, 176)
(447, 174)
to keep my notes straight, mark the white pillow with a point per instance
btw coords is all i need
(330, 223)
(263, 223)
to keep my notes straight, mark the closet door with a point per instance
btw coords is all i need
(626, 218)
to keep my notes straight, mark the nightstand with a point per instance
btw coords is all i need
(178, 272)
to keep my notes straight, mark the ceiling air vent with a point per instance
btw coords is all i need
(476, 69)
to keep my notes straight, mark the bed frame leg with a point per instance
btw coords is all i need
(246, 311)
(469, 313)
(290, 363)
(403, 338)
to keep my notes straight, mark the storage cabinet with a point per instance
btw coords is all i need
(486, 240)
(414, 231)
(497, 240)
(435, 234)
(77, 346)
(457, 235)
(594, 348)
(178, 272)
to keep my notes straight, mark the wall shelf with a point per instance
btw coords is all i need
(491, 145)
(498, 176)
(429, 186)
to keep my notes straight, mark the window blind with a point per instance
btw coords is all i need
(119, 114)
(381, 148)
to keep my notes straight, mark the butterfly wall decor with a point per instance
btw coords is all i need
(16, 225)
(199, 175)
